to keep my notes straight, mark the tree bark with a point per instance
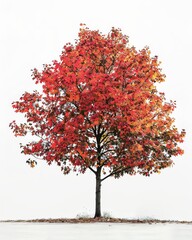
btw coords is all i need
(98, 194)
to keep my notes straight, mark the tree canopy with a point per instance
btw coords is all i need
(100, 109)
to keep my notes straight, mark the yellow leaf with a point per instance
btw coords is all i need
(154, 76)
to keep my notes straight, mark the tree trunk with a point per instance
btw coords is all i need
(98, 194)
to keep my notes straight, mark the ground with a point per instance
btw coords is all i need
(99, 220)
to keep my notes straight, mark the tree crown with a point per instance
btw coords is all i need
(100, 109)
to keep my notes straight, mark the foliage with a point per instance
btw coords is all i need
(99, 109)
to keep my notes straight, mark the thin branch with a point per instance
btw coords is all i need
(103, 131)
(92, 170)
(106, 136)
(105, 144)
(109, 150)
(119, 170)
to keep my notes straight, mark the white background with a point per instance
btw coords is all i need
(32, 33)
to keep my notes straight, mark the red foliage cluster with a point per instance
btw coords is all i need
(100, 109)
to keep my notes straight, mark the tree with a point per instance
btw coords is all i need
(100, 110)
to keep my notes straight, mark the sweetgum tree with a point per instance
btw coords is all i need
(99, 110)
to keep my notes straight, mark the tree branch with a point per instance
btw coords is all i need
(109, 150)
(119, 170)
(92, 170)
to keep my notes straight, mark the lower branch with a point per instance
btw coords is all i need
(119, 170)
(92, 170)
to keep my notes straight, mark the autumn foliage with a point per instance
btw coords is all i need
(100, 109)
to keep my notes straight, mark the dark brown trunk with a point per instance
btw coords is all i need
(98, 194)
